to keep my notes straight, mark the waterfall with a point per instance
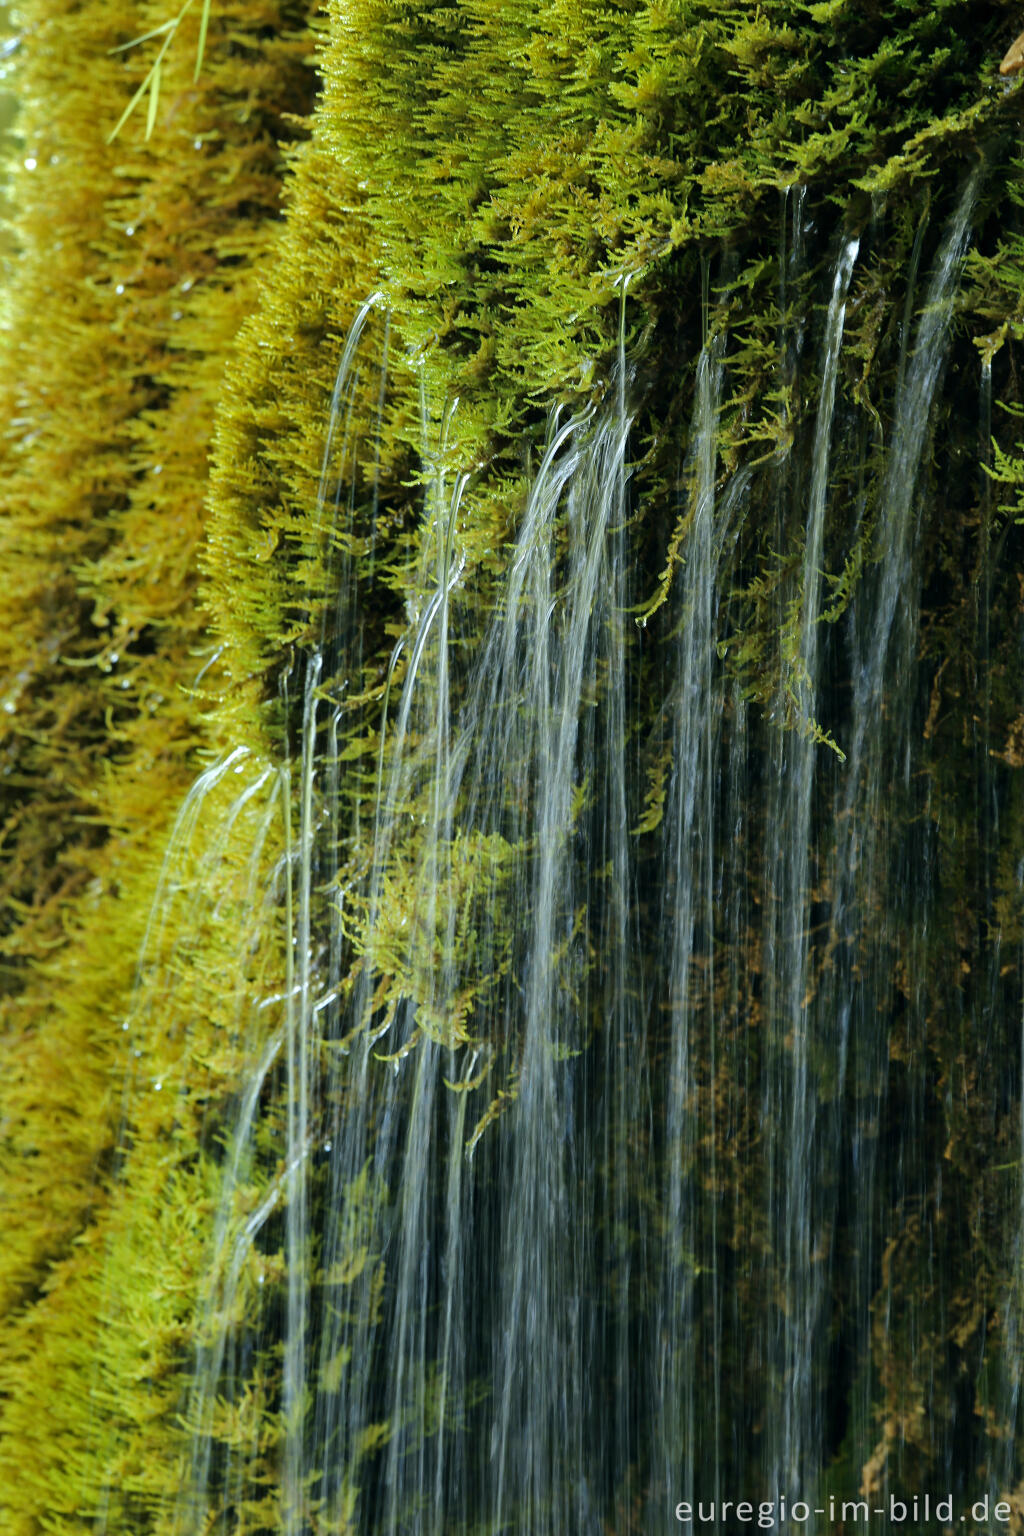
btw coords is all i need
(563, 1181)
(511, 763)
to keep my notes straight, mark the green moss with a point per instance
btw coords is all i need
(136, 265)
(521, 185)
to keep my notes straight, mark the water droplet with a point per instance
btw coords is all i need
(176, 314)
(10, 708)
(157, 1087)
(129, 230)
(187, 284)
(119, 288)
(328, 1145)
(158, 469)
(125, 1024)
(30, 163)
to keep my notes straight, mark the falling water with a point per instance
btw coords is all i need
(872, 874)
(795, 1097)
(912, 417)
(688, 922)
(560, 971)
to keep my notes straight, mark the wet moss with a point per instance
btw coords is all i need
(526, 189)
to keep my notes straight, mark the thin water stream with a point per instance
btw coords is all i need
(591, 1177)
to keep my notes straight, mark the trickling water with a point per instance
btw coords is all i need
(913, 415)
(688, 892)
(796, 1458)
(869, 877)
(567, 1147)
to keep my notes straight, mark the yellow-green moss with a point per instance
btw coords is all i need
(136, 264)
(495, 173)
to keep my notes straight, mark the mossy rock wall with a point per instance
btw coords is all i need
(526, 208)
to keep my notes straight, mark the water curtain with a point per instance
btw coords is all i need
(583, 1052)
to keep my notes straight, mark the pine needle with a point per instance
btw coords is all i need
(204, 22)
(168, 30)
(154, 97)
(144, 37)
